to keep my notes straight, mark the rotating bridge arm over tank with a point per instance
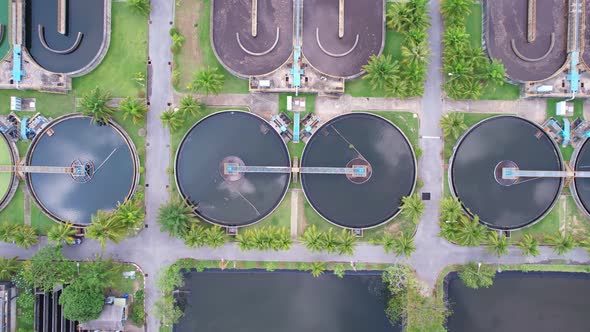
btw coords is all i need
(354, 171)
(515, 173)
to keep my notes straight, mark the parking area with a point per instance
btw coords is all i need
(363, 35)
(528, 55)
(252, 49)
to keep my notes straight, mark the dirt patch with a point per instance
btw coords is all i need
(187, 19)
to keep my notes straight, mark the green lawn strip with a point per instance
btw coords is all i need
(133, 130)
(5, 159)
(40, 220)
(5, 21)
(14, 212)
(127, 55)
(393, 46)
(232, 83)
(281, 217)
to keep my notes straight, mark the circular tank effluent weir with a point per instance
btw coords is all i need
(231, 138)
(103, 165)
(476, 179)
(580, 187)
(365, 140)
(8, 180)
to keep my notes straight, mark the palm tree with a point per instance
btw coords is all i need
(176, 217)
(562, 243)
(215, 237)
(404, 245)
(416, 52)
(496, 73)
(105, 227)
(456, 10)
(529, 246)
(172, 119)
(7, 232)
(339, 271)
(177, 40)
(453, 125)
(455, 40)
(281, 239)
(8, 268)
(387, 241)
(329, 242)
(207, 81)
(318, 268)
(470, 232)
(450, 208)
(131, 213)
(497, 244)
(61, 233)
(195, 236)
(133, 108)
(95, 105)
(246, 240)
(190, 106)
(346, 242)
(397, 16)
(25, 236)
(412, 207)
(381, 70)
(449, 229)
(312, 239)
(141, 6)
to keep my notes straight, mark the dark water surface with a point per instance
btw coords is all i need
(521, 302)
(490, 142)
(582, 163)
(77, 138)
(199, 164)
(383, 146)
(259, 301)
(85, 16)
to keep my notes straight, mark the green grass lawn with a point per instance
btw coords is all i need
(5, 21)
(127, 55)
(473, 22)
(568, 151)
(201, 31)
(281, 217)
(393, 46)
(5, 159)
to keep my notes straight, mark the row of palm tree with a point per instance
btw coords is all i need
(199, 236)
(403, 78)
(315, 240)
(96, 104)
(21, 235)
(114, 226)
(265, 238)
(189, 106)
(401, 245)
(467, 69)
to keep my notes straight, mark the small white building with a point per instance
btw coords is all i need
(111, 319)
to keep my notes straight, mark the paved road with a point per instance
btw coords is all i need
(152, 250)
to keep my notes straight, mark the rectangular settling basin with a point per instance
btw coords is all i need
(521, 302)
(286, 301)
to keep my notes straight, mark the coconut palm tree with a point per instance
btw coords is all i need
(329, 241)
(133, 108)
(195, 236)
(470, 232)
(397, 16)
(172, 119)
(455, 40)
(387, 241)
(281, 239)
(95, 105)
(339, 271)
(381, 70)
(215, 237)
(7, 232)
(177, 40)
(318, 268)
(455, 11)
(529, 246)
(416, 52)
(105, 227)
(450, 207)
(207, 81)
(346, 242)
(61, 233)
(496, 73)
(412, 207)
(246, 240)
(141, 6)
(453, 125)
(8, 268)
(312, 238)
(404, 245)
(449, 229)
(176, 218)
(562, 243)
(131, 213)
(497, 244)
(190, 106)
(25, 236)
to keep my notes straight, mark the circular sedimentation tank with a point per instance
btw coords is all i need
(8, 180)
(359, 139)
(238, 138)
(580, 187)
(475, 172)
(104, 161)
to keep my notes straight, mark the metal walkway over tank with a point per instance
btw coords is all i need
(36, 169)
(354, 171)
(515, 173)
